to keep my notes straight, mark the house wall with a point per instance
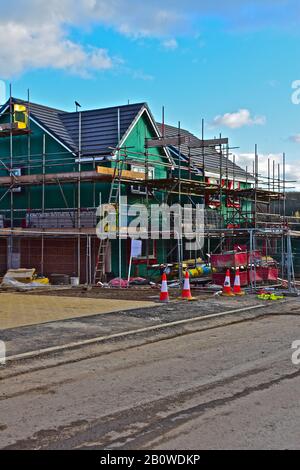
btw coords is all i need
(30, 197)
(60, 255)
(135, 142)
(229, 214)
(3, 255)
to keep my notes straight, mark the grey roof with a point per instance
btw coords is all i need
(212, 160)
(50, 120)
(100, 133)
(99, 127)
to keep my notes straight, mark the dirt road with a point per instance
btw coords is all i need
(217, 385)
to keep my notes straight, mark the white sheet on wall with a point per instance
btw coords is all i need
(136, 248)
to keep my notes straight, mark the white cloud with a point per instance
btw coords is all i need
(2, 92)
(140, 75)
(247, 159)
(46, 46)
(295, 138)
(170, 17)
(36, 36)
(239, 119)
(292, 170)
(37, 33)
(170, 44)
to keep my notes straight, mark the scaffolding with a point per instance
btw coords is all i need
(235, 213)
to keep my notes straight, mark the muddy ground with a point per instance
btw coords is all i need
(133, 293)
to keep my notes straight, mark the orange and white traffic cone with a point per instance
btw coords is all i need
(186, 292)
(237, 284)
(164, 295)
(227, 291)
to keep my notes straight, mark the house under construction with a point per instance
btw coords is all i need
(57, 167)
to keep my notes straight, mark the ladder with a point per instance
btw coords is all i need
(113, 199)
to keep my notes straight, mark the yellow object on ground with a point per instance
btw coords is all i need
(270, 297)
(22, 310)
(193, 272)
(42, 280)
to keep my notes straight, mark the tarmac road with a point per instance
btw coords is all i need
(229, 386)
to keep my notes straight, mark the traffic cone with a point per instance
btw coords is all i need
(186, 292)
(164, 295)
(237, 284)
(227, 291)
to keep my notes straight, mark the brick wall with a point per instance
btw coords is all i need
(60, 256)
(3, 256)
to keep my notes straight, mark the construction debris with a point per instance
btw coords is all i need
(124, 283)
(60, 279)
(25, 276)
(23, 280)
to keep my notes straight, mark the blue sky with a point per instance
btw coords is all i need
(233, 66)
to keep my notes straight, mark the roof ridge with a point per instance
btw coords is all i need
(109, 107)
(38, 104)
(61, 111)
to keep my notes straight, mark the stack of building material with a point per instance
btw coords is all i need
(231, 260)
(23, 279)
(21, 275)
(60, 219)
(252, 266)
